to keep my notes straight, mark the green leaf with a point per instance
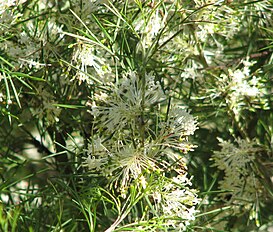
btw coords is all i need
(69, 106)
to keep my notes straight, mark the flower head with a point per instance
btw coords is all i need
(175, 130)
(128, 102)
(174, 199)
(236, 162)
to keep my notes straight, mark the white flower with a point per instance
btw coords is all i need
(127, 165)
(190, 72)
(176, 200)
(232, 157)
(241, 85)
(242, 90)
(84, 55)
(129, 102)
(180, 122)
(175, 131)
(236, 162)
(25, 51)
(96, 147)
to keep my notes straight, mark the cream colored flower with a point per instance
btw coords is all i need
(129, 102)
(240, 180)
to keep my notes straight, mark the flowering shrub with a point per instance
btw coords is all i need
(111, 110)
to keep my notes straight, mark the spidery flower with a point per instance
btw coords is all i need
(239, 180)
(174, 199)
(130, 100)
(90, 61)
(175, 130)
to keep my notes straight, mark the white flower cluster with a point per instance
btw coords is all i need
(135, 139)
(91, 62)
(242, 89)
(240, 84)
(240, 181)
(176, 203)
(226, 27)
(97, 155)
(176, 129)
(121, 164)
(128, 103)
(216, 22)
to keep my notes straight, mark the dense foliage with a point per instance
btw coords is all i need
(136, 115)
